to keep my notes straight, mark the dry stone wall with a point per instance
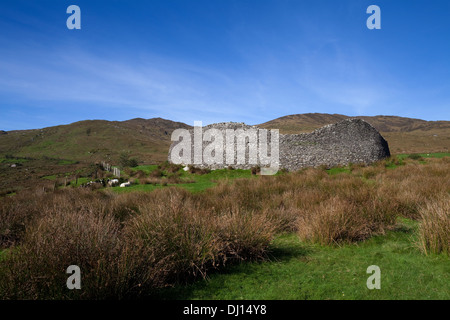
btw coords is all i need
(349, 141)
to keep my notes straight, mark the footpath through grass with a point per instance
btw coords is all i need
(298, 271)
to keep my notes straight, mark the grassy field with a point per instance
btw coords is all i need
(426, 155)
(202, 182)
(302, 271)
(228, 234)
(198, 182)
(205, 181)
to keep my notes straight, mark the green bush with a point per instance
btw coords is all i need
(126, 161)
(415, 156)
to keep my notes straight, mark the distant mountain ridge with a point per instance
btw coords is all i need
(404, 135)
(149, 139)
(309, 121)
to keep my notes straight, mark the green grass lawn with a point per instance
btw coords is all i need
(202, 182)
(338, 170)
(205, 181)
(145, 168)
(298, 271)
(427, 155)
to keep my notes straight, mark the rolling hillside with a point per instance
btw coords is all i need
(30, 158)
(94, 140)
(148, 140)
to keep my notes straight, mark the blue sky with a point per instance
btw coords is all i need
(221, 60)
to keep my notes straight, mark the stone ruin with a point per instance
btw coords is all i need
(348, 141)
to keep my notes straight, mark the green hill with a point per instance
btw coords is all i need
(148, 140)
(94, 140)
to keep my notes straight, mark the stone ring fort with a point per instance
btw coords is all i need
(241, 146)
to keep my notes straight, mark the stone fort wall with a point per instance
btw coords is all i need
(348, 141)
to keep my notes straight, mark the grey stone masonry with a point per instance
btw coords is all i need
(348, 141)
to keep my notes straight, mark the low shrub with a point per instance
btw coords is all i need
(434, 226)
(170, 167)
(157, 173)
(339, 220)
(200, 171)
(415, 156)
(132, 243)
(64, 237)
